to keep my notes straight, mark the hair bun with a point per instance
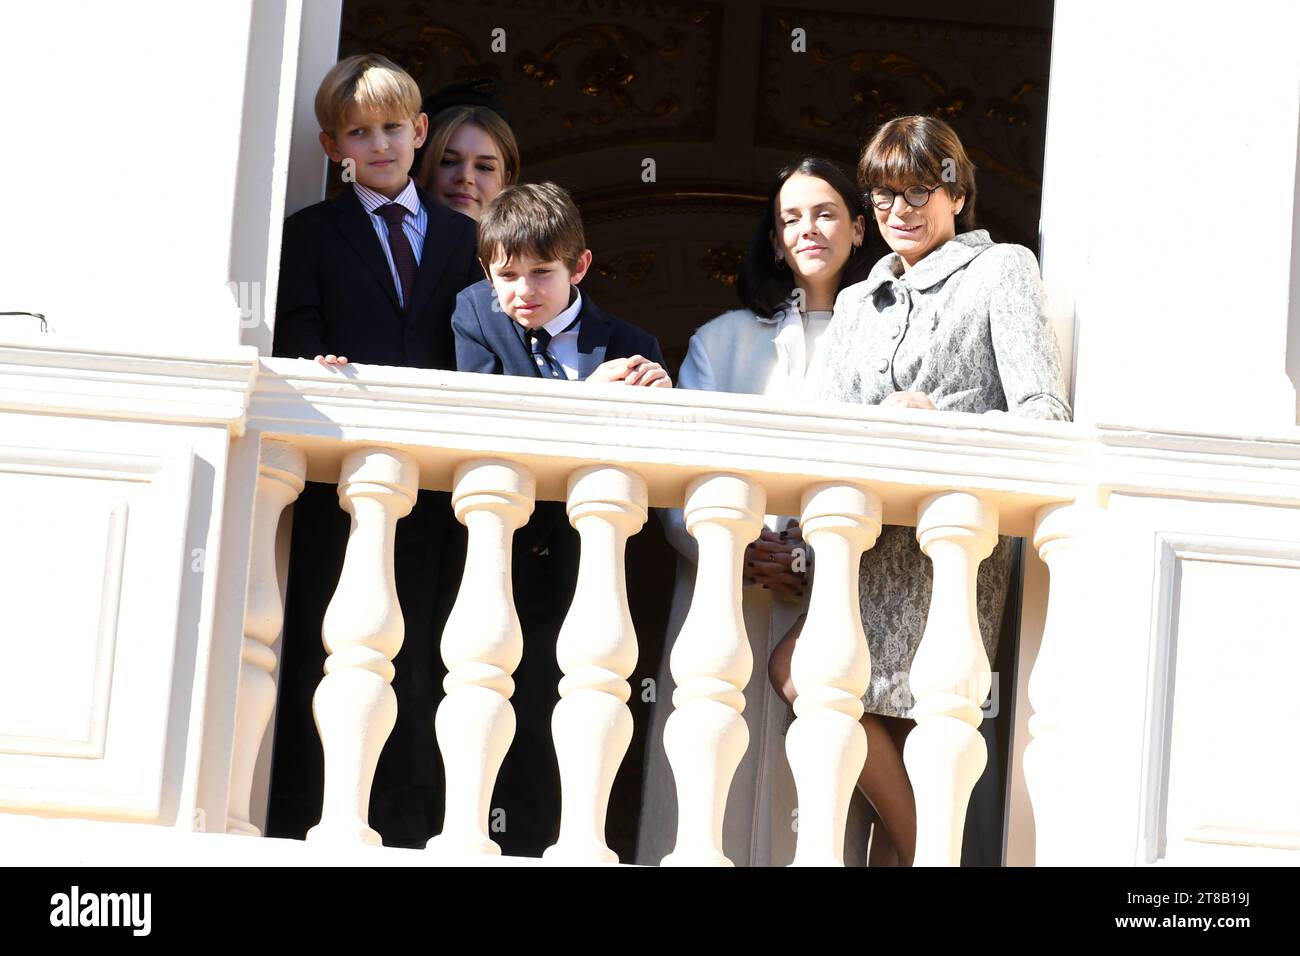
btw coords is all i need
(478, 92)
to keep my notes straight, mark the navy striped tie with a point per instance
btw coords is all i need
(539, 341)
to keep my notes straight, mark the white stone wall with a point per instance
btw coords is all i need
(1169, 210)
(120, 187)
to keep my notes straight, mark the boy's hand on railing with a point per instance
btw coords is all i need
(615, 370)
(332, 361)
(648, 373)
(634, 370)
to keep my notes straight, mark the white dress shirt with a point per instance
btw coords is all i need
(414, 223)
(815, 325)
(762, 356)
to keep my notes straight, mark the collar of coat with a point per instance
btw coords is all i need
(934, 268)
(784, 314)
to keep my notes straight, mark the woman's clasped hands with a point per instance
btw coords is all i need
(779, 562)
(907, 400)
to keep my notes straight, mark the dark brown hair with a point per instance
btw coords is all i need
(763, 286)
(535, 219)
(920, 150)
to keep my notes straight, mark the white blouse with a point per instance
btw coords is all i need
(741, 352)
(814, 326)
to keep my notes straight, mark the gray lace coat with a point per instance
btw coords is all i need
(967, 326)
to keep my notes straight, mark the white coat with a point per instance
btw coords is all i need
(739, 352)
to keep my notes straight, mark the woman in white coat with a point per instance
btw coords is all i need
(807, 247)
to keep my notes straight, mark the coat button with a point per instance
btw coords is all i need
(883, 367)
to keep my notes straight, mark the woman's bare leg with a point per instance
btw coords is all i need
(899, 728)
(880, 849)
(778, 665)
(884, 782)
(883, 779)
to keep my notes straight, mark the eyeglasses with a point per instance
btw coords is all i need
(882, 197)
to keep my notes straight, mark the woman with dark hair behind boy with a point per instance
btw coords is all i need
(808, 246)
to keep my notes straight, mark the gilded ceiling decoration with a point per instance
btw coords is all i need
(575, 76)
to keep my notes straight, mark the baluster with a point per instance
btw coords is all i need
(950, 676)
(354, 705)
(705, 736)
(481, 646)
(1057, 694)
(597, 653)
(831, 669)
(281, 471)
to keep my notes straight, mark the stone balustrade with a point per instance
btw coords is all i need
(501, 444)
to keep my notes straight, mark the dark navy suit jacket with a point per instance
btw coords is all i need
(337, 294)
(488, 340)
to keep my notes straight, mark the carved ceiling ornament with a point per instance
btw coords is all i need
(721, 264)
(705, 197)
(633, 266)
(575, 76)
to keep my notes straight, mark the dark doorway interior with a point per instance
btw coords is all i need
(714, 94)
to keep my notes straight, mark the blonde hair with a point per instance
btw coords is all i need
(920, 150)
(442, 128)
(369, 82)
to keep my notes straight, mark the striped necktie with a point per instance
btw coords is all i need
(394, 214)
(539, 341)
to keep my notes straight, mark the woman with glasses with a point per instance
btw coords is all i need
(948, 320)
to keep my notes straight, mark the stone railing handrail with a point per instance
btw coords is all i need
(444, 418)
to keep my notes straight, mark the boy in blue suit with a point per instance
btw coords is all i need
(528, 318)
(369, 276)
